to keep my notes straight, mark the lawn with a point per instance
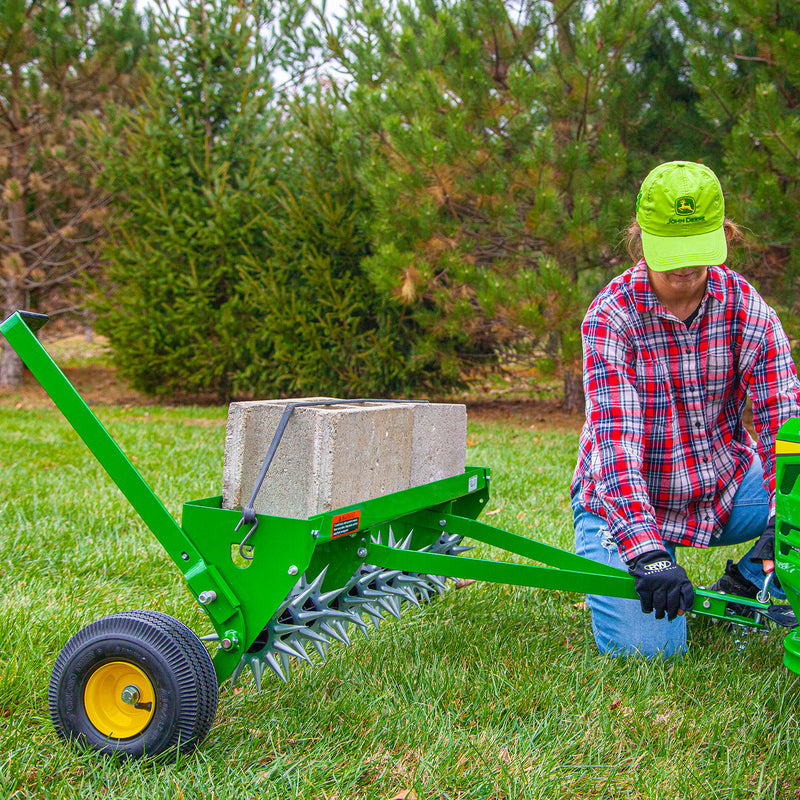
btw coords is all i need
(488, 692)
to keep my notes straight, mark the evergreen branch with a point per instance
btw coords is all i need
(64, 310)
(776, 136)
(58, 280)
(763, 60)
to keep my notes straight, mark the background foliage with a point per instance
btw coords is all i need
(390, 199)
(61, 61)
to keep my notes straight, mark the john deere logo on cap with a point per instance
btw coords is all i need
(684, 206)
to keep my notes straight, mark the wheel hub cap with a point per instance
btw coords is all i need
(119, 700)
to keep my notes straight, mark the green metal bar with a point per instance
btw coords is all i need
(590, 582)
(474, 481)
(97, 439)
(590, 578)
(708, 603)
(226, 612)
(513, 543)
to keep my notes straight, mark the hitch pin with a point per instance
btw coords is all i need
(763, 595)
(246, 517)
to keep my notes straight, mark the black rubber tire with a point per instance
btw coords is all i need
(174, 660)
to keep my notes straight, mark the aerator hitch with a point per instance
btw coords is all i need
(140, 683)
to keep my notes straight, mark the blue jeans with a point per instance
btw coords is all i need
(619, 626)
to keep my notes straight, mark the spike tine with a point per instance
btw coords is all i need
(272, 662)
(334, 634)
(370, 576)
(357, 601)
(321, 646)
(307, 617)
(395, 603)
(391, 590)
(257, 666)
(406, 577)
(355, 618)
(302, 655)
(238, 671)
(320, 579)
(281, 628)
(329, 597)
(285, 648)
(386, 606)
(372, 593)
(392, 541)
(310, 633)
(406, 543)
(286, 664)
(300, 600)
(409, 595)
(371, 611)
(438, 588)
(340, 614)
(342, 630)
(288, 600)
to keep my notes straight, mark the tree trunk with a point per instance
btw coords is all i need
(573, 390)
(11, 367)
(13, 266)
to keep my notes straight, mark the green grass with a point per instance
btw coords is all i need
(489, 692)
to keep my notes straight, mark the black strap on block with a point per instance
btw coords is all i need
(248, 512)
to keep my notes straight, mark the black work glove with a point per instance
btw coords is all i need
(662, 585)
(765, 546)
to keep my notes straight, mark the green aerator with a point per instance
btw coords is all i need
(140, 683)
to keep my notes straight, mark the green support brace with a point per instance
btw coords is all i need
(19, 329)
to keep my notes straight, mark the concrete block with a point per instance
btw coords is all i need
(248, 435)
(338, 455)
(439, 442)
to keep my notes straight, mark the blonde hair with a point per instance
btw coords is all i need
(633, 237)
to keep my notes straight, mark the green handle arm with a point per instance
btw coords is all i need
(19, 329)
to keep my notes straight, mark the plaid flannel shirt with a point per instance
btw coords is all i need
(664, 449)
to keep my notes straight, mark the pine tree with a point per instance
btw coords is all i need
(499, 169)
(746, 65)
(236, 267)
(327, 329)
(192, 169)
(61, 61)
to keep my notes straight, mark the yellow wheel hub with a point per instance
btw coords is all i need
(119, 700)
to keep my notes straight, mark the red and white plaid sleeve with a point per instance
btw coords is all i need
(614, 412)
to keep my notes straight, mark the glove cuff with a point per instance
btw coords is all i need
(649, 557)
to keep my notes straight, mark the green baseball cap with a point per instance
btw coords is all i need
(681, 211)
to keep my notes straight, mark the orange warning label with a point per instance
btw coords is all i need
(345, 523)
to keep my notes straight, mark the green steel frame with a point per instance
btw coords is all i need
(787, 544)
(240, 596)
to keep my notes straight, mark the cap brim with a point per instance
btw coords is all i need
(663, 253)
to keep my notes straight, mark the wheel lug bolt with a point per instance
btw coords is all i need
(130, 695)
